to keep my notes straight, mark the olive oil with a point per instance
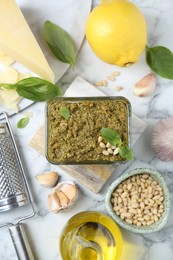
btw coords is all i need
(91, 236)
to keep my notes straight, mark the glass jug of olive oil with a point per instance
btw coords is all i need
(91, 236)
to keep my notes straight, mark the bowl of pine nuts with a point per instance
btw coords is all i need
(139, 201)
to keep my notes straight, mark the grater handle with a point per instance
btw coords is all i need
(20, 242)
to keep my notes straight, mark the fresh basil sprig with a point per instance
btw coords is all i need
(59, 42)
(23, 122)
(114, 138)
(160, 60)
(126, 152)
(110, 136)
(34, 88)
(64, 111)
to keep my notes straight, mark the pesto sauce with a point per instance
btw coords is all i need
(76, 139)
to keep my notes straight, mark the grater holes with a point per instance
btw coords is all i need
(10, 180)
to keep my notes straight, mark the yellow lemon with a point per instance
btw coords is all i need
(116, 31)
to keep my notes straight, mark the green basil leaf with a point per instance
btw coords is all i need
(8, 86)
(59, 42)
(65, 112)
(37, 89)
(160, 60)
(126, 152)
(23, 122)
(110, 136)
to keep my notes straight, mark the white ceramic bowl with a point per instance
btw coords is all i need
(131, 227)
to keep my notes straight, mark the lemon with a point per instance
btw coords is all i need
(116, 31)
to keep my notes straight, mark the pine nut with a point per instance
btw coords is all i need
(105, 152)
(138, 200)
(129, 186)
(156, 197)
(154, 211)
(116, 73)
(145, 176)
(116, 151)
(111, 77)
(118, 88)
(134, 211)
(156, 218)
(110, 151)
(119, 200)
(119, 190)
(100, 139)
(142, 205)
(146, 217)
(102, 145)
(128, 221)
(161, 199)
(101, 83)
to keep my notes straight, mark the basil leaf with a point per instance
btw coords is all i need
(126, 152)
(110, 136)
(35, 89)
(65, 112)
(59, 42)
(160, 60)
(8, 86)
(23, 122)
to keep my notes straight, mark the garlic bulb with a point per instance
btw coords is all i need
(162, 139)
(145, 86)
(62, 197)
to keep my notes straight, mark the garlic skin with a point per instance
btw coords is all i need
(65, 193)
(47, 179)
(145, 86)
(162, 139)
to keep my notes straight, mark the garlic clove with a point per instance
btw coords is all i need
(65, 193)
(162, 139)
(54, 202)
(145, 86)
(48, 179)
(64, 201)
(70, 191)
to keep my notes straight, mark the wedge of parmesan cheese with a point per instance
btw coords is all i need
(18, 41)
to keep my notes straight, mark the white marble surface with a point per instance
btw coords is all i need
(44, 229)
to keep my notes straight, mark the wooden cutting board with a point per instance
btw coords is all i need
(91, 176)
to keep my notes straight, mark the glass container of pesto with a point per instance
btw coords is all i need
(73, 127)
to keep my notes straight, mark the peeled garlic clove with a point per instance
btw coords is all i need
(54, 202)
(145, 86)
(70, 191)
(64, 201)
(162, 139)
(48, 179)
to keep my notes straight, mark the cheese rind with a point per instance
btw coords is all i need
(18, 41)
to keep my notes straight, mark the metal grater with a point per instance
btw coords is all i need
(14, 191)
